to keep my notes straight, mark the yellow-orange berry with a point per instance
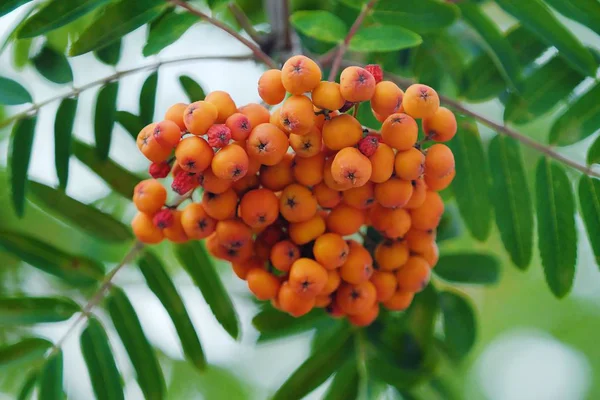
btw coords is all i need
(438, 184)
(175, 233)
(230, 163)
(410, 164)
(145, 230)
(365, 318)
(239, 125)
(262, 284)
(345, 220)
(233, 233)
(196, 222)
(306, 231)
(256, 114)
(267, 143)
(277, 177)
(418, 194)
(358, 266)
(220, 206)
(351, 167)
(333, 282)
(175, 114)
(400, 131)
(391, 255)
(399, 301)
(297, 203)
(393, 192)
(149, 196)
(420, 101)
(199, 116)
(309, 171)
(439, 161)
(307, 277)
(385, 284)
(382, 163)
(362, 197)
(327, 96)
(297, 115)
(441, 126)
(342, 131)
(308, 145)
(331, 250)
(327, 197)
(270, 88)
(211, 183)
(241, 269)
(194, 154)
(149, 147)
(429, 214)
(167, 134)
(300, 74)
(283, 254)
(357, 84)
(259, 208)
(356, 299)
(224, 103)
(386, 99)
(414, 275)
(330, 181)
(293, 302)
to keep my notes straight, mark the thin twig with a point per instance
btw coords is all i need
(117, 75)
(258, 53)
(341, 49)
(244, 22)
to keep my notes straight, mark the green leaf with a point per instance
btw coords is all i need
(117, 177)
(63, 131)
(191, 88)
(19, 155)
(383, 38)
(320, 25)
(12, 93)
(318, 367)
(511, 199)
(132, 123)
(593, 155)
(497, 45)
(556, 226)
(586, 12)
(580, 119)
(161, 285)
(117, 20)
(537, 16)
(53, 66)
(55, 14)
(214, 382)
(109, 54)
(541, 91)
(51, 377)
(437, 56)
(167, 31)
(21, 50)
(474, 268)
(100, 362)
(23, 353)
(35, 310)
(589, 201)
(8, 5)
(104, 118)
(75, 270)
(345, 383)
(148, 98)
(28, 385)
(141, 354)
(274, 324)
(470, 186)
(460, 328)
(199, 265)
(83, 216)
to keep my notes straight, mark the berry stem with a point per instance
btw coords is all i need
(244, 22)
(258, 53)
(341, 49)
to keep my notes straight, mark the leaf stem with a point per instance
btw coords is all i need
(342, 47)
(258, 53)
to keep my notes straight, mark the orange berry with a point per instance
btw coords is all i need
(149, 196)
(167, 134)
(149, 147)
(385, 284)
(262, 284)
(333, 282)
(212, 183)
(283, 254)
(365, 318)
(256, 114)
(327, 197)
(439, 161)
(393, 193)
(356, 299)
(428, 216)
(270, 88)
(297, 203)
(418, 194)
(309, 171)
(351, 166)
(414, 275)
(359, 264)
(327, 96)
(362, 197)
(241, 269)
(175, 232)
(409, 164)
(230, 163)
(145, 230)
(224, 103)
(357, 84)
(331, 250)
(278, 176)
(246, 184)
(391, 255)
(307, 277)
(175, 114)
(420, 101)
(308, 145)
(342, 131)
(253, 165)
(328, 177)
(418, 241)
(300, 74)
(399, 301)
(431, 254)
(199, 116)
(220, 206)
(441, 126)
(297, 115)
(400, 131)
(267, 144)
(239, 125)
(307, 231)
(320, 118)
(194, 154)
(439, 184)
(382, 163)
(233, 233)
(322, 300)
(276, 120)
(387, 98)
(294, 303)
(259, 208)
(345, 220)
(196, 222)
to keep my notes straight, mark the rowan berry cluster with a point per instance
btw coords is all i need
(286, 194)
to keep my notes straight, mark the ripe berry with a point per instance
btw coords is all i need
(368, 145)
(376, 71)
(149, 196)
(307, 277)
(218, 135)
(184, 182)
(300, 74)
(270, 88)
(420, 101)
(357, 84)
(159, 170)
(163, 219)
(145, 230)
(199, 116)
(223, 103)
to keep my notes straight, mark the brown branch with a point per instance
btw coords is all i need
(258, 53)
(341, 49)
(244, 22)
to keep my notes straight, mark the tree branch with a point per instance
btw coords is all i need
(244, 22)
(341, 49)
(258, 53)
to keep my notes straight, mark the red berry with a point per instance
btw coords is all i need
(376, 71)
(184, 182)
(368, 145)
(163, 219)
(159, 170)
(219, 135)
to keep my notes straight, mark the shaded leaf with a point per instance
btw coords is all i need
(116, 21)
(589, 202)
(104, 118)
(148, 98)
(191, 88)
(345, 383)
(109, 54)
(24, 352)
(51, 377)
(28, 385)
(274, 324)
(383, 38)
(19, 155)
(85, 217)
(54, 14)
(12, 93)
(199, 265)
(98, 356)
(117, 177)
(556, 226)
(460, 328)
(449, 226)
(437, 56)
(53, 66)
(580, 119)
(63, 132)
(470, 186)
(586, 12)
(593, 155)
(320, 25)
(161, 285)
(536, 15)
(366, 117)
(131, 122)
(167, 31)
(8, 5)
(214, 382)
(21, 50)
(141, 354)
(474, 268)
(318, 367)
(75, 270)
(512, 200)
(35, 310)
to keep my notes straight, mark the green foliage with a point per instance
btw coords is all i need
(273, 324)
(191, 88)
(383, 38)
(580, 119)
(51, 377)
(320, 25)
(9, 5)
(460, 329)
(35, 310)
(473, 268)
(12, 93)
(148, 98)
(53, 66)
(28, 386)
(19, 153)
(23, 352)
(132, 123)
(63, 131)
(167, 30)
(345, 383)
(586, 12)
(593, 155)
(589, 200)
(110, 53)
(104, 119)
